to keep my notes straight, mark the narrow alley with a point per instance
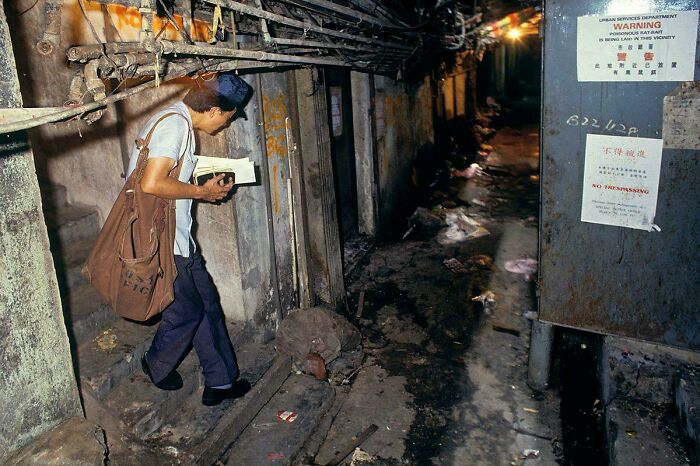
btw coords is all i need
(349, 232)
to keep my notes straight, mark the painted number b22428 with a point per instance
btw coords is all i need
(611, 126)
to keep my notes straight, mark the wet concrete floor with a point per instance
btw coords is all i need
(444, 378)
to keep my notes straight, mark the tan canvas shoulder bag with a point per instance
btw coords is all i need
(132, 263)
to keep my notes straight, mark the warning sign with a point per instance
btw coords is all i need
(646, 47)
(621, 181)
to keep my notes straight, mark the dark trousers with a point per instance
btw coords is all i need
(193, 318)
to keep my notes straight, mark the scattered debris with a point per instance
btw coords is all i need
(473, 264)
(106, 341)
(530, 453)
(527, 267)
(345, 367)
(455, 266)
(355, 442)
(487, 299)
(360, 304)
(287, 416)
(530, 410)
(460, 228)
(478, 202)
(426, 219)
(470, 172)
(503, 329)
(275, 456)
(531, 315)
(316, 365)
(481, 260)
(360, 456)
(316, 330)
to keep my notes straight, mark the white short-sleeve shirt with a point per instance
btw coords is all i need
(173, 138)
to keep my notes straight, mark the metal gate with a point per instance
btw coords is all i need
(596, 274)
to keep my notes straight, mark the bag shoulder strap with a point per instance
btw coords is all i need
(142, 145)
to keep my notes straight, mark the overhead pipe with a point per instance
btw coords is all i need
(95, 86)
(51, 37)
(91, 106)
(83, 53)
(75, 91)
(174, 48)
(344, 12)
(325, 45)
(257, 12)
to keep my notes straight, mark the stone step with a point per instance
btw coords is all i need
(686, 390)
(199, 435)
(85, 313)
(267, 439)
(112, 356)
(142, 407)
(642, 434)
(69, 261)
(145, 409)
(53, 195)
(71, 223)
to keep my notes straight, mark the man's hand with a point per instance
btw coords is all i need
(216, 189)
(157, 182)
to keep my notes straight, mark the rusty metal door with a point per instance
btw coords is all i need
(600, 277)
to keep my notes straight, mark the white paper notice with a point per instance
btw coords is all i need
(646, 47)
(621, 181)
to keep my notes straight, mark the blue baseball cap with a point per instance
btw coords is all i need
(231, 88)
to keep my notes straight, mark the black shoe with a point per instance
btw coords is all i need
(172, 381)
(214, 396)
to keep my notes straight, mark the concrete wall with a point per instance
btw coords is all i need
(90, 159)
(37, 384)
(61, 150)
(404, 128)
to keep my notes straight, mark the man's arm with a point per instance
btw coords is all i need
(157, 182)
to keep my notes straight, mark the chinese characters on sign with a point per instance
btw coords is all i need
(337, 111)
(647, 47)
(621, 181)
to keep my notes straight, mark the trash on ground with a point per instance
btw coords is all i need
(355, 442)
(527, 267)
(275, 456)
(530, 410)
(478, 202)
(287, 416)
(107, 341)
(426, 219)
(530, 453)
(460, 228)
(455, 266)
(360, 457)
(470, 172)
(360, 304)
(487, 299)
(316, 365)
(531, 315)
(504, 329)
(481, 260)
(316, 330)
(344, 368)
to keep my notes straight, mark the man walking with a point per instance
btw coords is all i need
(195, 316)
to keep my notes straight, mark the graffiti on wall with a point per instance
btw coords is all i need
(274, 115)
(123, 22)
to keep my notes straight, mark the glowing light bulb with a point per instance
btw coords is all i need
(514, 33)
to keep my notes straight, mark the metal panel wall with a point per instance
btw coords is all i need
(603, 278)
